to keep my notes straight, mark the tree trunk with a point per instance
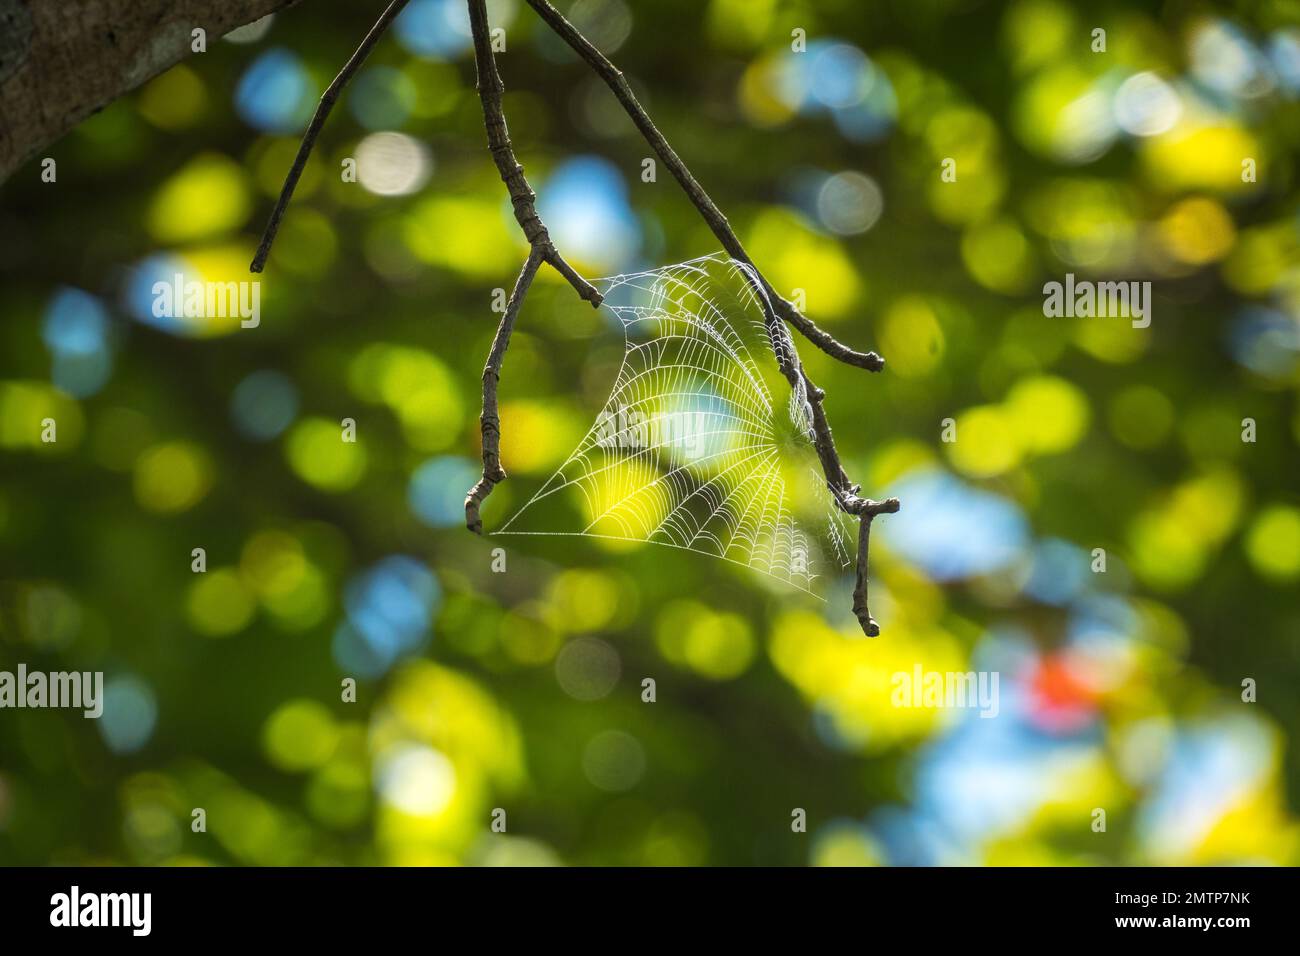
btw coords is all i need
(62, 60)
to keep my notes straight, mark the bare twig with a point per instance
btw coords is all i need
(490, 420)
(869, 625)
(845, 492)
(327, 100)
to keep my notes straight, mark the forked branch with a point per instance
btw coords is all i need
(845, 492)
(522, 197)
(490, 89)
(523, 200)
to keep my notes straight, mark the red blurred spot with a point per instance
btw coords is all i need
(1061, 699)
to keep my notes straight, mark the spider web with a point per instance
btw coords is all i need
(692, 449)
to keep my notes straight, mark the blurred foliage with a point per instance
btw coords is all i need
(1120, 690)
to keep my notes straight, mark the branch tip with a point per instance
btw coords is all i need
(317, 123)
(869, 510)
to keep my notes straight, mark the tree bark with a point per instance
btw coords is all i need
(62, 60)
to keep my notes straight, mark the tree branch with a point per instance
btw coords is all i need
(522, 197)
(489, 419)
(523, 200)
(490, 89)
(712, 216)
(322, 113)
(868, 511)
(844, 491)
